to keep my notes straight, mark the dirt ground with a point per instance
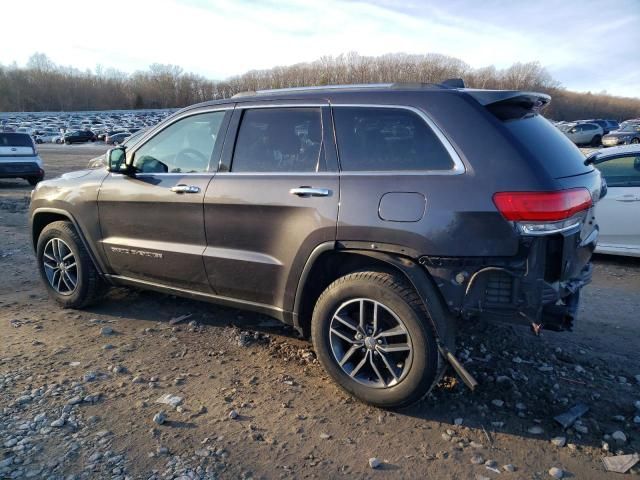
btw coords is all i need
(78, 389)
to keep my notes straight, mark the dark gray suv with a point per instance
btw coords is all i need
(371, 218)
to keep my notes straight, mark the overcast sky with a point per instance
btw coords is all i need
(585, 44)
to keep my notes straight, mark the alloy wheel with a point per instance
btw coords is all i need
(60, 266)
(370, 343)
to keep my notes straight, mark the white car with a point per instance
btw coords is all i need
(618, 213)
(47, 137)
(584, 133)
(19, 158)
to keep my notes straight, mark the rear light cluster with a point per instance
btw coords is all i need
(538, 213)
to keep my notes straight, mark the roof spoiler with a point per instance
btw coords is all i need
(510, 104)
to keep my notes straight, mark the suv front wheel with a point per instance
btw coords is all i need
(372, 335)
(65, 266)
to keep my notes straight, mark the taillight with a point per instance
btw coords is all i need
(543, 212)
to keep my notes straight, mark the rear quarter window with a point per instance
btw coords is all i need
(548, 146)
(387, 139)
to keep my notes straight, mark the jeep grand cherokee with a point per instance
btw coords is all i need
(371, 218)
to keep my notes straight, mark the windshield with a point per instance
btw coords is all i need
(630, 128)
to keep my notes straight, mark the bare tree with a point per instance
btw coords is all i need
(43, 85)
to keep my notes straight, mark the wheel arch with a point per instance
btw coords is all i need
(42, 217)
(327, 263)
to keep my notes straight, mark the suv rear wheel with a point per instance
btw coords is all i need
(372, 335)
(66, 268)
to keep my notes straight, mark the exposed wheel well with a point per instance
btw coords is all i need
(41, 220)
(328, 267)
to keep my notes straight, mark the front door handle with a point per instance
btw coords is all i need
(310, 192)
(181, 188)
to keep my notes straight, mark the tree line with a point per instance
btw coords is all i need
(42, 85)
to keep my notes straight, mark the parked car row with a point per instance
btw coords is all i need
(596, 132)
(113, 127)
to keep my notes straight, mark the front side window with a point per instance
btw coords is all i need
(279, 140)
(185, 146)
(387, 139)
(621, 171)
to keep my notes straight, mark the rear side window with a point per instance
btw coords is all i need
(621, 171)
(548, 146)
(387, 139)
(15, 140)
(279, 140)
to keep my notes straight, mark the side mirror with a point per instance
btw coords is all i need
(117, 160)
(573, 130)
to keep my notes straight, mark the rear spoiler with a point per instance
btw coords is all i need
(509, 104)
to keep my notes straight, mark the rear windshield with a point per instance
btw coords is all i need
(548, 145)
(15, 140)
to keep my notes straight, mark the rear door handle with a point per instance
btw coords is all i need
(181, 188)
(627, 198)
(310, 192)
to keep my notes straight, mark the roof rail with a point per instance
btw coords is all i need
(453, 83)
(450, 83)
(324, 87)
(246, 93)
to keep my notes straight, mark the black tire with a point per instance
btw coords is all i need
(34, 180)
(89, 287)
(635, 141)
(67, 142)
(596, 140)
(393, 292)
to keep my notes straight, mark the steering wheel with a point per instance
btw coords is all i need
(199, 160)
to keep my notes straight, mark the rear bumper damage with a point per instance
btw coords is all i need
(539, 287)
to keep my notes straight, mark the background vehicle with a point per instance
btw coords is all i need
(19, 158)
(79, 136)
(48, 136)
(619, 210)
(376, 283)
(100, 161)
(584, 134)
(612, 125)
(604, 124)
(629, 134)
(117, 138)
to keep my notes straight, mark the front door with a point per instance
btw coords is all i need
(618, 213)
(152, 222)
(273, 201)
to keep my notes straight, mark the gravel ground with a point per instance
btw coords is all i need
(245, 398)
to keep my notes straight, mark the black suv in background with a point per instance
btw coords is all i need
(371, 218)
(79, 136)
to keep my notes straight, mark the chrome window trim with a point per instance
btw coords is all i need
(458, 164)
(278, 174)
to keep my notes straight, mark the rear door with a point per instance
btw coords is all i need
(274, 199)
(152, 222)
(618, 212)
